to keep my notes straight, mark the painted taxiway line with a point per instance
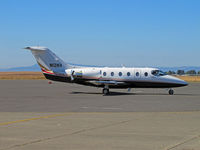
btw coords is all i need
(104, 108)
(37, 118)
(70, 113)
(48, 116)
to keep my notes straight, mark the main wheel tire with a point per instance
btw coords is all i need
(105, 91)
(171, 92)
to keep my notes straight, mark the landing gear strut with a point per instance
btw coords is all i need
(171, 92)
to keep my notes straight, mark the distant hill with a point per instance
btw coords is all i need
(37, 68)
(27, 68)
(185, 68)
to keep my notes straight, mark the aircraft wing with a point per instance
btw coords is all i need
(107, 82)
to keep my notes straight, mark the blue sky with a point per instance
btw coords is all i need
(104, 32)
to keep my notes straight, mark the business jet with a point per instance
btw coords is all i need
(107, 78)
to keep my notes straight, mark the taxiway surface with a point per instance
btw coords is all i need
(59, 116)
(39, 96)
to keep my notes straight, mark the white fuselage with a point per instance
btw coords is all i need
(127, 75)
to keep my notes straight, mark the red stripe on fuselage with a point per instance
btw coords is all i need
(44, 71)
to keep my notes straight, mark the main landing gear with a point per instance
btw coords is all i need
(171, 92)
(105, 90)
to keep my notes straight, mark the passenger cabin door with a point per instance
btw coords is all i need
(100, 74)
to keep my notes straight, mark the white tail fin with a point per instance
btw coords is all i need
(48, 61)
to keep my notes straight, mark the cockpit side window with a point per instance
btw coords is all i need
(154, 72)
(158, 73)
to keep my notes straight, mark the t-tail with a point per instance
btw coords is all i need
(48, 61)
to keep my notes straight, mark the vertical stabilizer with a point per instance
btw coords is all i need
(48, 61)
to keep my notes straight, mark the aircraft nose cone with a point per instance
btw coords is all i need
(181, 82)
(178, 82)
(184, 83)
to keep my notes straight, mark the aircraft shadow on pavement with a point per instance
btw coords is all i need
(123, 93)
(111, 93)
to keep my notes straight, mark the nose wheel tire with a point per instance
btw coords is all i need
(105, 91)
(171, 92)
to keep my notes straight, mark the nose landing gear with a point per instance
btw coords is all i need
(171, 92)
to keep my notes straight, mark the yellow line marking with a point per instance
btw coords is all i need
(30, 119)
(68, 113)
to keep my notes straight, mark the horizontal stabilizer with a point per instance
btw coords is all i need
(37, 48)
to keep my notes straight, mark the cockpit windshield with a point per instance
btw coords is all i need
(158, 73)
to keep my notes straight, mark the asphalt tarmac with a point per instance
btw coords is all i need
(39, 96)
(59, 116)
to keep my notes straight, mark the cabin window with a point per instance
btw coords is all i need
(146, 74)
(128, 74)
(112, 73)
(104, 73)
(137, 74)
(120, 73)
